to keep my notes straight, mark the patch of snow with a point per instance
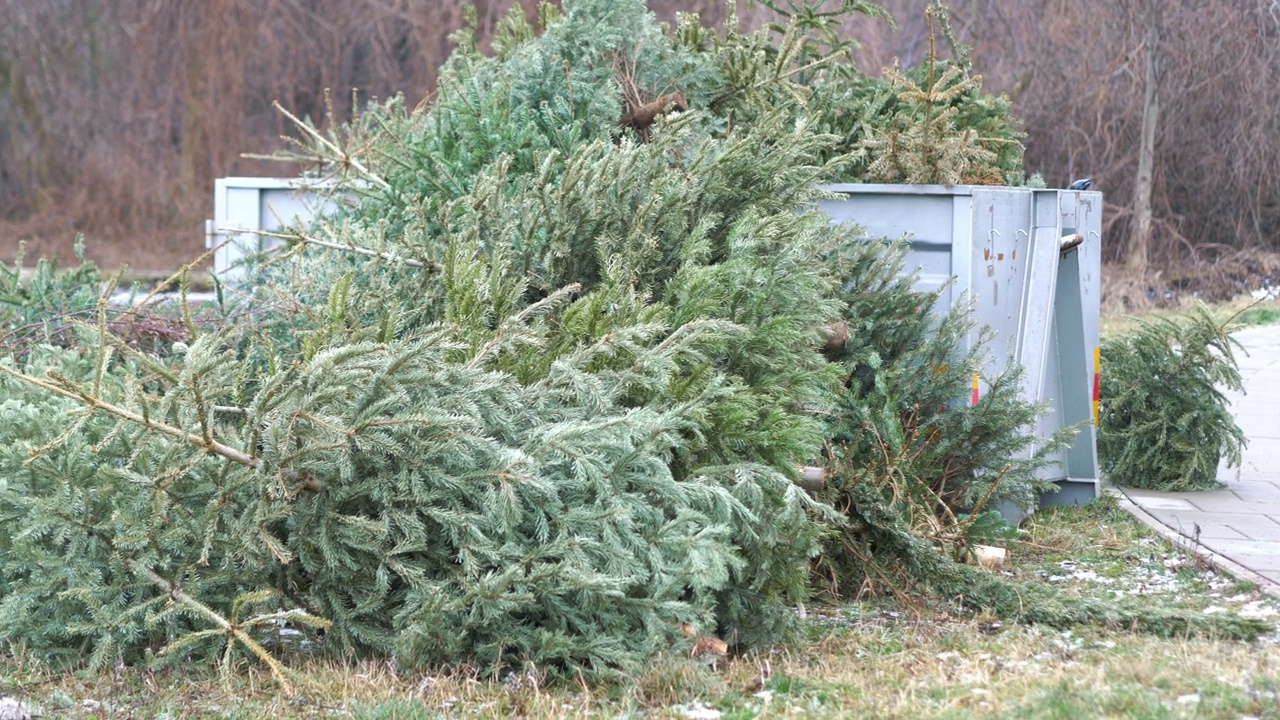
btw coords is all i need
(12, 708)
(696, 711)
(1258, 609)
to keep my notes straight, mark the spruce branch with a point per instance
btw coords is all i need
(178, 276)
(336, 154)
(68, 389)
(232, 630)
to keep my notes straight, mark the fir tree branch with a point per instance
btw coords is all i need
(341, 155)
(761, 84)
(67, 389)
(175, 277)
(232, 630)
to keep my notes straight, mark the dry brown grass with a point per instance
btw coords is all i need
(1226, 283)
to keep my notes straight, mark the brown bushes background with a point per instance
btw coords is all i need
(115, 117)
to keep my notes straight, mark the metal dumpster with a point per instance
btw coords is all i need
(245, 206)
(1028, 262)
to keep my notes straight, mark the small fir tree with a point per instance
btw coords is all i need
(1165, 422)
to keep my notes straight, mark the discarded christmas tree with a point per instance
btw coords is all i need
(1166, 423)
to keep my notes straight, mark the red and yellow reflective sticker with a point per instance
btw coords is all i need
(1097, 383)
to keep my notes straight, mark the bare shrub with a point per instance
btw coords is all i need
(116, 117)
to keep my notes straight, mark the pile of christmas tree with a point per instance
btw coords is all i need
(543, 392)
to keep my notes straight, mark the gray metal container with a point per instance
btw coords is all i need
(244, 207)
(1028, 262)
(1000, 249)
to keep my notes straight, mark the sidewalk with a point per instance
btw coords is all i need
(1238, 526)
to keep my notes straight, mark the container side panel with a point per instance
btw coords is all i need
(1076, 372)
(998, 254)
(925, 220)
(235, 219)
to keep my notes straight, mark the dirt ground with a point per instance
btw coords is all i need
(1212, 280)
(157, 252)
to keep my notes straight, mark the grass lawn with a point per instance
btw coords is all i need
(872, 658)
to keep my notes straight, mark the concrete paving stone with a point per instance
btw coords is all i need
(1269, 548)
(1254, 527)
(1260, 433)
(1255, 408)
(1213, 531)
(1259, 562)
(1252, 385)
(1260, 527)
(1180, 520)
(1264, 355)
(1260, 443)
(1231, 526)
(1158, 501)
(1263, 482)
(1231, 476)
(1258, 360)
(1262, 436)
(1252, 415)
(1266, 461)
(1260, 430)
(1254, 490)
(1226, 501)
(1257, 469)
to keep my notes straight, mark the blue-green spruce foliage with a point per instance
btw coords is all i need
(551, 411)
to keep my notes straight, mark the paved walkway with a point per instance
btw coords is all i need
(1239, 525)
